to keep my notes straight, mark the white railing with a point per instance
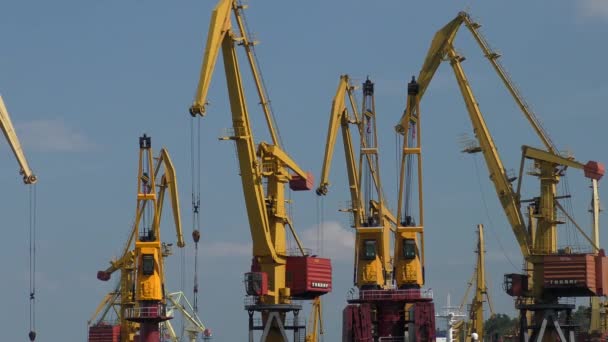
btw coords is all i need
(391, 294)
(154, 311)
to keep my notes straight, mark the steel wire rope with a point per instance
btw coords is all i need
(322, 229)
(570, 210)
(408, 177)
(195, 174)
(262, 80)
(397, 144)
(487, 212)
(291, 215)
(320, 224)
(32, 261)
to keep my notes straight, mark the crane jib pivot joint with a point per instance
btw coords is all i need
(368, 88)
(413, 88)
(145, 141)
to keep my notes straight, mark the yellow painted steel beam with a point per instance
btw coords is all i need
(11, 136)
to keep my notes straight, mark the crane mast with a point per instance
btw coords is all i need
(473, 329)
(265, 170)
(476, 318)
(9, 133)
(409, 238)
(546, 272)
(139, 299)
(389, 295)
(150, 307)
(372, 262)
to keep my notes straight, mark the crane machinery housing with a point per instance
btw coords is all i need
(139, 301)
(550, 273)
(276, 277)
(390, 300)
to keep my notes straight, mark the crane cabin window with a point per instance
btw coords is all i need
(369, 249)
(148, 264)
(409, 248)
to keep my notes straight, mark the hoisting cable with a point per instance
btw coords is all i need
(408, 214)
(487, 211)
(32, 261)
(251, 47)
(195, 169)
(320, 224)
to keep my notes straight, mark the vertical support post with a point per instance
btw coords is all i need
(250, 326)
(523, 326)
(595, 206)
(296, 326)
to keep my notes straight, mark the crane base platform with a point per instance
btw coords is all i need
(275, 318)
(377, 314)
(546, 321)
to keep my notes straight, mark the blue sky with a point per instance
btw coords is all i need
(84, 79)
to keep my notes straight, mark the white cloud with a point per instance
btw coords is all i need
(52, 136)
(594, 8)
(226, 249)
(338, 243)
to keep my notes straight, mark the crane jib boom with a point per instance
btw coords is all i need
(9, 132)
(498, 174)
(169, 180)
(441, 49)
(371, 218)
(437, 52)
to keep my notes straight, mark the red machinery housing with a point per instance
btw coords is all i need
(576, 275)
(515, 284)
(256, 283)
(297, 183)
(567, 275)
(104, 333)
(389, 315)
(308, 276)
(357, 323)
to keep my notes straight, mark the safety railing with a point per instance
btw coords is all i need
(391, 294)
(250, 300)
(142, 312)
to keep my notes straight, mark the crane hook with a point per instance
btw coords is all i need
(32, 335)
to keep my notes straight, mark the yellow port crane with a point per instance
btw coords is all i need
(265, 169)
(143, 247)
(314, 329)
(9, 133)
(546, 279)
(389, 285)
(474, 330)
(372, 263)
(409, 237)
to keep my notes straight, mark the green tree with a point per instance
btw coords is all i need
(582, 317)
(499, 325)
